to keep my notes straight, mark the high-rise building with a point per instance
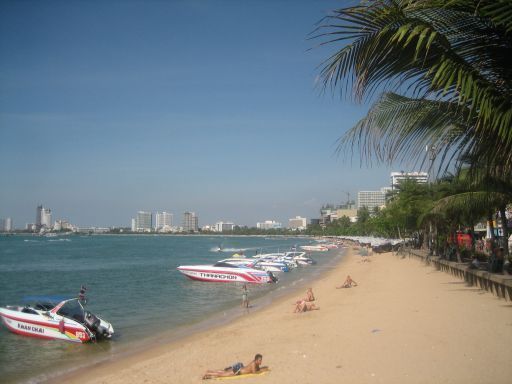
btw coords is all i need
(297, 223)
(143, 221)
(46, 218)
(163, 219)
(190, 222)
(371, 199)
(39, 214)
(6, 225)
(398, 177)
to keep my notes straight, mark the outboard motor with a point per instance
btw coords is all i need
(91, 321)
(272, 277)
(94, 324)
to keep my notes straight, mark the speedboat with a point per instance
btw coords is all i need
(239, 261)
(314, 248)
(68, 320)
(227, 273)
(300, 258)
(272, 266)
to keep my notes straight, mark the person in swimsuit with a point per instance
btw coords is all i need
(304, 306)
(348, 283)
(238, 369)
(309, 296)
(245, 298)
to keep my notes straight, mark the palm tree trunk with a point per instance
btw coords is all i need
(504, 227)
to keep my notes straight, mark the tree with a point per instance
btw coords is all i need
(442, 69)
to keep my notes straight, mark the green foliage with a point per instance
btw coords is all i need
(444, 72)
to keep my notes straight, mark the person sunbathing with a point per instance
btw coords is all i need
(309, 296)
(238, 369)
(349, 283)
(304, 306)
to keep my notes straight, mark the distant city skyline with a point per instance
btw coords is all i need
(210, 107)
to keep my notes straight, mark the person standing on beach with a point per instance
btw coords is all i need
(245, 297)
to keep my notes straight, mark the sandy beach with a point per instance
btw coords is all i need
(404, 323)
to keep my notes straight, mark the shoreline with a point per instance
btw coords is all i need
(155, 345)
(405, 322)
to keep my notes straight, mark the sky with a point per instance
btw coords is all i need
(112, 107)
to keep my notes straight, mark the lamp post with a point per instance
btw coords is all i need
(431, 150)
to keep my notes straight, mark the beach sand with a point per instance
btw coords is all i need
(404, 323)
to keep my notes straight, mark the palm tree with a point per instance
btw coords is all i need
(442, 71)
(477, 195)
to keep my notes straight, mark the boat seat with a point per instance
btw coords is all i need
(29, 310)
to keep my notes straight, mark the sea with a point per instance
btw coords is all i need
(132, 282)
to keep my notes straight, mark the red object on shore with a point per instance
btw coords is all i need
(464, 240)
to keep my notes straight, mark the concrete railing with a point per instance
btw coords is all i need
(500, 285)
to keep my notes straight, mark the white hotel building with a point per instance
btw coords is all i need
(163, 221)
(222, 226)
(372, 199)
(143, 221)
(269, 224)
(398, 177)
(297, 223)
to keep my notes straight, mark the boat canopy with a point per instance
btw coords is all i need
(72, 309)
(224, 264)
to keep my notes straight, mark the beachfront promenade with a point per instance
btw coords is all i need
(406, 322)
(498, 284)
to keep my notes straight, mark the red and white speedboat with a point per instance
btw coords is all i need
(227, 273)
(68, 320)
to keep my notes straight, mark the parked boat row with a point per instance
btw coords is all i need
(259, 269)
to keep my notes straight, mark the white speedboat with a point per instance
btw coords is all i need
(68, 320)
(227, 273)
(314, 248)
(272, 262)
(300, 258)
(239, 261)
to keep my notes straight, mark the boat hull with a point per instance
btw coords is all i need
(236, 275)
(37, 326)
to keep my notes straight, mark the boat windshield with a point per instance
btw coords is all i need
(224, 264)
(72, 309)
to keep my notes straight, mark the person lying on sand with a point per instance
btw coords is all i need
(238, 369)
(303, 306)
(348, 283)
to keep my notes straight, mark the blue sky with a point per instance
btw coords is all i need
(110, 107)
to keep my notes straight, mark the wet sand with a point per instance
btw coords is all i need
(404, 323)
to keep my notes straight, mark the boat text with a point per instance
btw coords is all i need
(217, 276)
(30, 328)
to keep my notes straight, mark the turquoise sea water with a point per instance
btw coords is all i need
(133, 283)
